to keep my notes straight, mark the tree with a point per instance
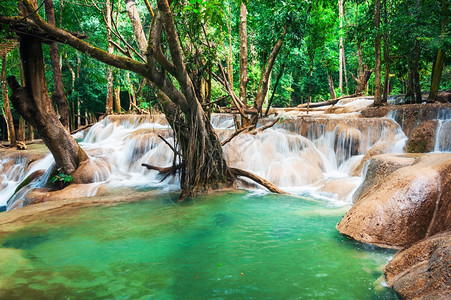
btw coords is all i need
(377, 51)
(58, 95)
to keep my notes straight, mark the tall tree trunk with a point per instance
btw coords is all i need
(58, 95)
(135, 19)
(33, 103)
(440, 58)
(243, 52)
(8, 116)
(377, 50)
(341, 46)
(331, 85)
(21, 132)
(110, 88)
(230, 54)
(117, 99)
(386, 58)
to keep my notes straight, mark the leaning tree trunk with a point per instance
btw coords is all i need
(33, 103)
(8, 116)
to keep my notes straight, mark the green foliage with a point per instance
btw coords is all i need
(61, 179)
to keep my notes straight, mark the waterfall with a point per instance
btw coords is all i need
(308, 155)
(442, 136)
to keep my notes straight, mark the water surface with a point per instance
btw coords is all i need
(220, 246)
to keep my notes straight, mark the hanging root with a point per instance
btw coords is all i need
(271, 187)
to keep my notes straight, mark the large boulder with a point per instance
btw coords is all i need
(408, 205)
(422, 271)
(378, 169)
(422, 139)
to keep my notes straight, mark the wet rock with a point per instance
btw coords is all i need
(378, 169)
(340, 188)
(422, 139)
(92, 170)
(408, 205)
(376, 149)
(422, 271)
(444, 97)
(73, 191)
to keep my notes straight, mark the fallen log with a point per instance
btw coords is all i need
(329, 102)
(271, 187)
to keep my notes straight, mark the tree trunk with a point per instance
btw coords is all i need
(21, 131)
(331, 85)
(243, 52)
(138, 31)
(436, 75)
(117, 99)
(386, 59)
(58, 95)
(110, 88)
(8, 116)
(377, 50)
(230, 54)
(33, 103)
(440, 58)
(341, 47)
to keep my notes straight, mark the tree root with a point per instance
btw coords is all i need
(271, 187)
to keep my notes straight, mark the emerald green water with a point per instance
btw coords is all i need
(220, 246)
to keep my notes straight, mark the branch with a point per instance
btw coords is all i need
(96, 53)
(271, 187)
(170, 146)
(234, 135)
(261, 129)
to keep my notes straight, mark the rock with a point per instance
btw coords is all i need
(422, 271)
(339, 187)
(410, 204)
(348, 139)
(422, 139)
(444, 97)
(21, 145)
(91, 170)
(73, 191)
(378, 169)
(376, 149)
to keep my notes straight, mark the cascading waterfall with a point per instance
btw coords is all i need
(303, 155)
(442, 137)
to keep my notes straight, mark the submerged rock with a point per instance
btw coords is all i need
(423, 270)
(410, 204)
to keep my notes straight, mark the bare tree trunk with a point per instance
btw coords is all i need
(243, 52)
(230, 54)
(341, 47)
(377, 50)
(110, 88)
(440, 58)
(8, 116)
(331, 85)
(21, 132)
(386, 58)
(138, 31)
(117, 99)
(33, 103)
(58, 95)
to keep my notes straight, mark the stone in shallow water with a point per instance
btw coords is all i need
(422, 270)
(408, 205)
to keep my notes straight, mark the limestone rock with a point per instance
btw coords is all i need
(422, 271)
(408, 205)
(422, 139)
(91, 170)
(378, 169)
